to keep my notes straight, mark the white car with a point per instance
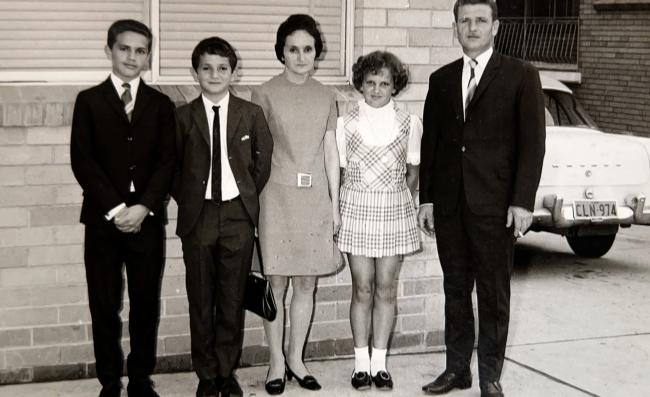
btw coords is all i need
(592, 182)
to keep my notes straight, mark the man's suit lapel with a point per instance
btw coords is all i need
(234, 115)
(490, 72)
(141, 100)
(113, 98)
(201, 119)
(456, 82)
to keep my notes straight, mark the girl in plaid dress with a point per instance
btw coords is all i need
(379, 149)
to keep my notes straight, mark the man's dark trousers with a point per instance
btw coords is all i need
(475, 249)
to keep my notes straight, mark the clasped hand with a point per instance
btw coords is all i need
(129, 219)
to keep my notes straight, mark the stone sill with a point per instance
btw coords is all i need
(47, 105)
(621, 5)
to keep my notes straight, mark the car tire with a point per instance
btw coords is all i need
(591, 246)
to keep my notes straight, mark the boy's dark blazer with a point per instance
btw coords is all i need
(496, 152)
(107, 151)
(249, 152)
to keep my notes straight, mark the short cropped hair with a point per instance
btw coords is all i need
(214, 46)
(128, 25)
(373, 63)
(294, 23)
(491, 3)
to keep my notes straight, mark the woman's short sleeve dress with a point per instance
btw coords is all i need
(295, 225)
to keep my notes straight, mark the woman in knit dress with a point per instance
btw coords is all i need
(299, 205)
(379, 148)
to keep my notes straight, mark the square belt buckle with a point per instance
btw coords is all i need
(304, 180)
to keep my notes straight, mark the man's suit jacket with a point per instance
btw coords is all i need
(107, 151)
(249, 145)
(496, 152)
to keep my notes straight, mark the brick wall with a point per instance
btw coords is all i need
(45, 328)
(615, 65)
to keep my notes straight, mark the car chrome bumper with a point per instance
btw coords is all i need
(555, 214)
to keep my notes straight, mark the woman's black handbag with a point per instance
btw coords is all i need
(258, 297)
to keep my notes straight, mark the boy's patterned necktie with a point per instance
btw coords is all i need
(471, 85)
(127, 100)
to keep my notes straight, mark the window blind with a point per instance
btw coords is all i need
(64, 36)
(250, 26)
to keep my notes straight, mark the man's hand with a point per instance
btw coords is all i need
(520, 219)
(130, 218)
(425, 219)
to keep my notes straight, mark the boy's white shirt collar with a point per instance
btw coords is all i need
(223, 103)
(117, 83)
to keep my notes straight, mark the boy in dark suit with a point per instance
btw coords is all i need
(122, 154)
(224, 146)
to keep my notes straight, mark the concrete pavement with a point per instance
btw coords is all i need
(579, 327)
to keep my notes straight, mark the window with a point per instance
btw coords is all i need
(62, 41)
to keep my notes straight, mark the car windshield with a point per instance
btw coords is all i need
(562, 109)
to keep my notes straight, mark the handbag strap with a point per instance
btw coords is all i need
(258, 248)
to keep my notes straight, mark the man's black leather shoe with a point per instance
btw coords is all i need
(447, 381)
(230, 388)
(207, 388)
(141, 388)
(491, 389)
(111, 390)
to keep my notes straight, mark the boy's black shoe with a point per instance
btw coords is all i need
(361, 380)
(141, 388)
(230, 387)
(383, 380)
(207, 388)
(111, 390)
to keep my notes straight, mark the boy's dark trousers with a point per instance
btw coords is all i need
(217, 254)
(106, 251)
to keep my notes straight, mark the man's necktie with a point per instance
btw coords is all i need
(127, 100)
(216, 156)
(471, 85)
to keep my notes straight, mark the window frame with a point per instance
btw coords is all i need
(152, 76)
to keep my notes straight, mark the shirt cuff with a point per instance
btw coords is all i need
(426, 205)
(111, 214)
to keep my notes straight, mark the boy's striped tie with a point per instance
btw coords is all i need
(127, 100)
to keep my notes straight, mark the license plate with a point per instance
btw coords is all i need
(594, 209)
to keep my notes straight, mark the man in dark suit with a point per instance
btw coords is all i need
(482, 153)
(224, 160)
(122, 154)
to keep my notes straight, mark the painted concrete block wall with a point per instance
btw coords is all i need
(45, 328)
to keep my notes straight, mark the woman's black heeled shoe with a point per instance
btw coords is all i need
(308, 382)
(275, 386)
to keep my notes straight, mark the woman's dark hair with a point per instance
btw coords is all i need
(373, 63)
(294, 23)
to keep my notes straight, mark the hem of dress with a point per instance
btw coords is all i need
(379, 254)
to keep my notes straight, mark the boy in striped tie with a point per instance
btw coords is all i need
(122, 154)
